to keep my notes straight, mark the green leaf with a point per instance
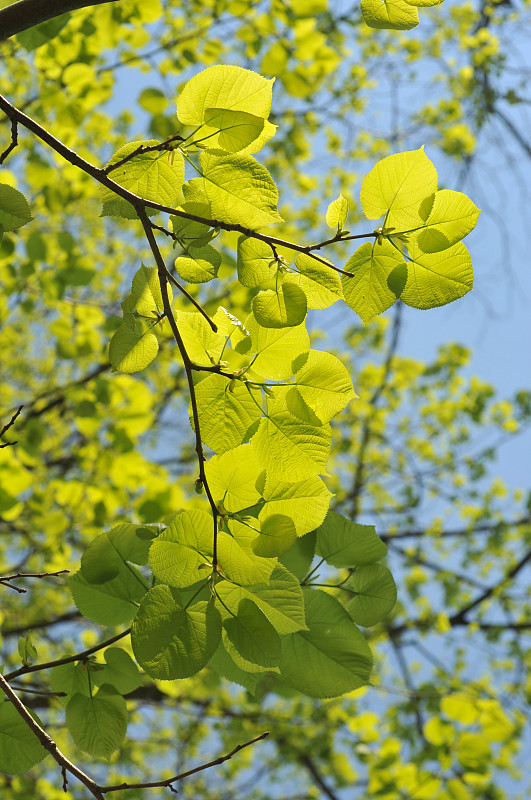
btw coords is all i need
(133, 346)
(319, 273)
(280, 600)
(376, 594)
(145, 292)
(240, 563)
(397, 185)
(26, 649)
(111, 603)
(240, 190)
(253, 636)
(148, 175)
(277, 534)
(202, 344)
(41, 34)
(289, 448)
(107, 555)
(368, 293)
(189, 231)
(395, 15)
(256, 264)
(452, 216)
(14, 209)
(177, 554)
(232, 478)
(284, 308)
(224, 87)
(424, 3)
(331, 657)
(119, 671)
(222, 663)
(97, 724)
(200, 265)
(336, 214)
(435, 279)
(277, 349)
(226, 412)
(306, 502)
(170, 641)
(317, 295)
(299, 557)
(324, 384)
(347, 544)
(20, 749)
(226, 132)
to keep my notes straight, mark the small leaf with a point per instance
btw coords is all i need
(336, 214)
(284, 308)
(376, 594)
(368, 293)
(232, 478)
(226, 415)
(178, 553)
(276, 348)
(452, 216)
(343, 543)
(305, 502)
(200, 265)
(145, 292)
(133, 346)
(97, 724)
(170, 641)
(255, 264)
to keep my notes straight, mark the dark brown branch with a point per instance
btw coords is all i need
(141, 149)
(216, 762)
(5, 580)
(27, 13)
(49, 744)
(7, 427)
(14, 140)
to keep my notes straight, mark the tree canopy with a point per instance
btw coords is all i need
(249, 545)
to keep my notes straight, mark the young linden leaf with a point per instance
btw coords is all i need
(375, 594)
(146, 294)
(281, 600)
(20, 749)
(253, 636)
(336, 214)
(202, 344)
(305, 502)
(343, 543)
(290, 448)
(232, 478)
(299, 557)
(189, 231)
(224, 87)
(111, 603)
(226, 414)
(397, 185)
(256, 265)
(14, 209)
(148, 175)
(241, 564)
(200, 265)
(435, 279)
(276, 349)
(395, 15)
(331, 657)
(120, 671)
(222, 663)
(277, 534)
(240, 190)
(368, 292)
(178, 553)
(171, 641)
(452, 216)
(317, 295)
(133, 346)
(324, 384)
(225, 132)
(97, 724)
(107, 555)
(319, 273)
(284, 308)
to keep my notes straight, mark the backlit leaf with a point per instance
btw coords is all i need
(200, 265)
(97, 723)
(20, 749)
(368, 292)
(452, 216)
(284, 308)
(14, 209)
(176, 555)
(435, 279)
(376, 594)
(226, 412)
(347, 544)
(397, 15)
(133, 346)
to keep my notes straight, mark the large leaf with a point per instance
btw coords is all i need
(240, 563)
(280, 600)
(397, 15)
(277, 535)
(435, 279)
(256, 264)
(290, 448)
(133, 346)
(171, 641)
(108, 554)
(375, 594)
(200, 265)
(226, 412)
(20, 749)
(324, 384)
(276, 348)
(331, 657)
(152, 176)
(201, 342)
(370, 291)
(145, 292)
(306, 502)
(347, 544)
(397, 185)
(97, 723)
(232, 478)
(14, 209)
(240, 190)
(111, 603)
(224, 87)
(178, 553)
(451, 217)
(282, 308)
(253, 636)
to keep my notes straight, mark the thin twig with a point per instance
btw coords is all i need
(13, 143)
(5, 580)
(7, 427)
(141, 149)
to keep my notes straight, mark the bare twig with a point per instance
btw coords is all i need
(7, 427)
(5, 580)
(141, 149)
(14, 141)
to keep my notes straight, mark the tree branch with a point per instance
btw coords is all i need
(27, 13)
